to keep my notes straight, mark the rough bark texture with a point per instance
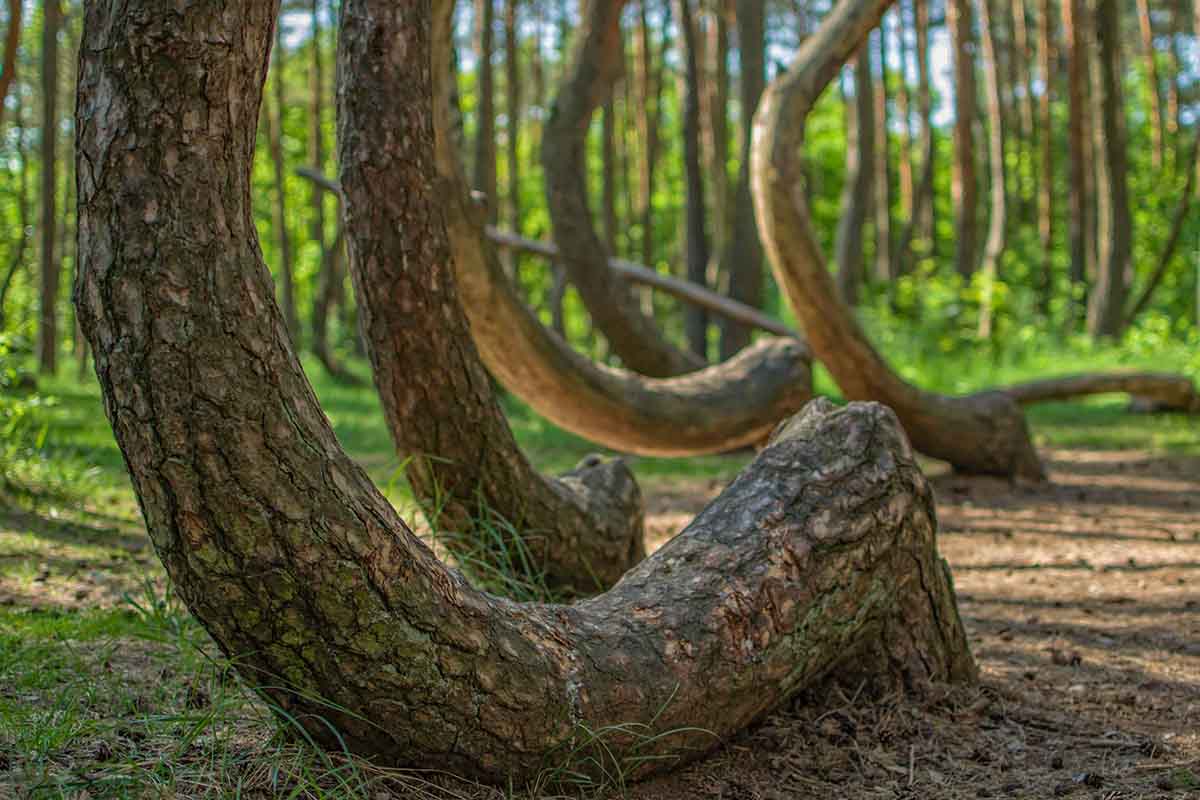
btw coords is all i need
(594, 65)
(965, 182)
(695, 320)
(463, 462)
(719, 408)
(980, 433)
(994, 246)
(856, 193)
(51, 267)
(275, 142)
(819, 562)
(742, 258)
(12, 40)
(1114, 234)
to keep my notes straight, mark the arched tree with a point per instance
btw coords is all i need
(981, 433)
(719, 408)
(818, 561)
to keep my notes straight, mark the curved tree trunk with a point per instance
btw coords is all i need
(819, 561)
(462, 461)
(594, 66)
(981, 433)
(720, 408)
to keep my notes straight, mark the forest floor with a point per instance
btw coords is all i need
(1081, 598)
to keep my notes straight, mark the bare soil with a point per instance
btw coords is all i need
(1081, 598)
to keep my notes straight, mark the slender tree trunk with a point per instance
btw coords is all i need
(856, 192)
(485, 115)
(1157, 117)
(965, 184)
(51, 266)
(1114, 231)
(513, 114)
(927, 222)
(333, 609)
(696, 251)
(904, 111)
(1173, 107)
(649, 80)
(608, 174)
(994, 246)
(885, 256)
(985, 432)
(1075, 42)
(12, 41)
(1023, 56)
(275, 142)
(1045, 181)
(743, 255)
(715, 104)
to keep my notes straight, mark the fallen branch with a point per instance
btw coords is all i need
(1164, 391)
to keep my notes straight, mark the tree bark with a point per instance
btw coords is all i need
(716, 129)
(513, 114)
(742, 257)
(695, 319)
(462, 461)
(649, 81)
(1157, 117)
(275, 142)
(1163, 391)
(994, 246)
(1114, 233)
(1045, 179)
(856, 192)
(1075, 42)
(885, 257)
(594, 65)
(1022, 54)
(904, 111)
(819, 561)
(925, 222)
(51, 266)
(984, 433)
(965, 183)
(12, 41)
(485, 113)
(717, 409)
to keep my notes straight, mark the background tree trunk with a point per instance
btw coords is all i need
(1114, 230)
(885, 257)
(1075, 42)
(1157, 117)
(275, 145)
(696, 237)
(333, 608)
(742, 257)
(994, 245)
(485, 113)
(1045, 181)
(965, 183)
(51, 266)
(860, 169)
(513, 114)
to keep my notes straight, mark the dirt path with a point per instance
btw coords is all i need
(1082, 601)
